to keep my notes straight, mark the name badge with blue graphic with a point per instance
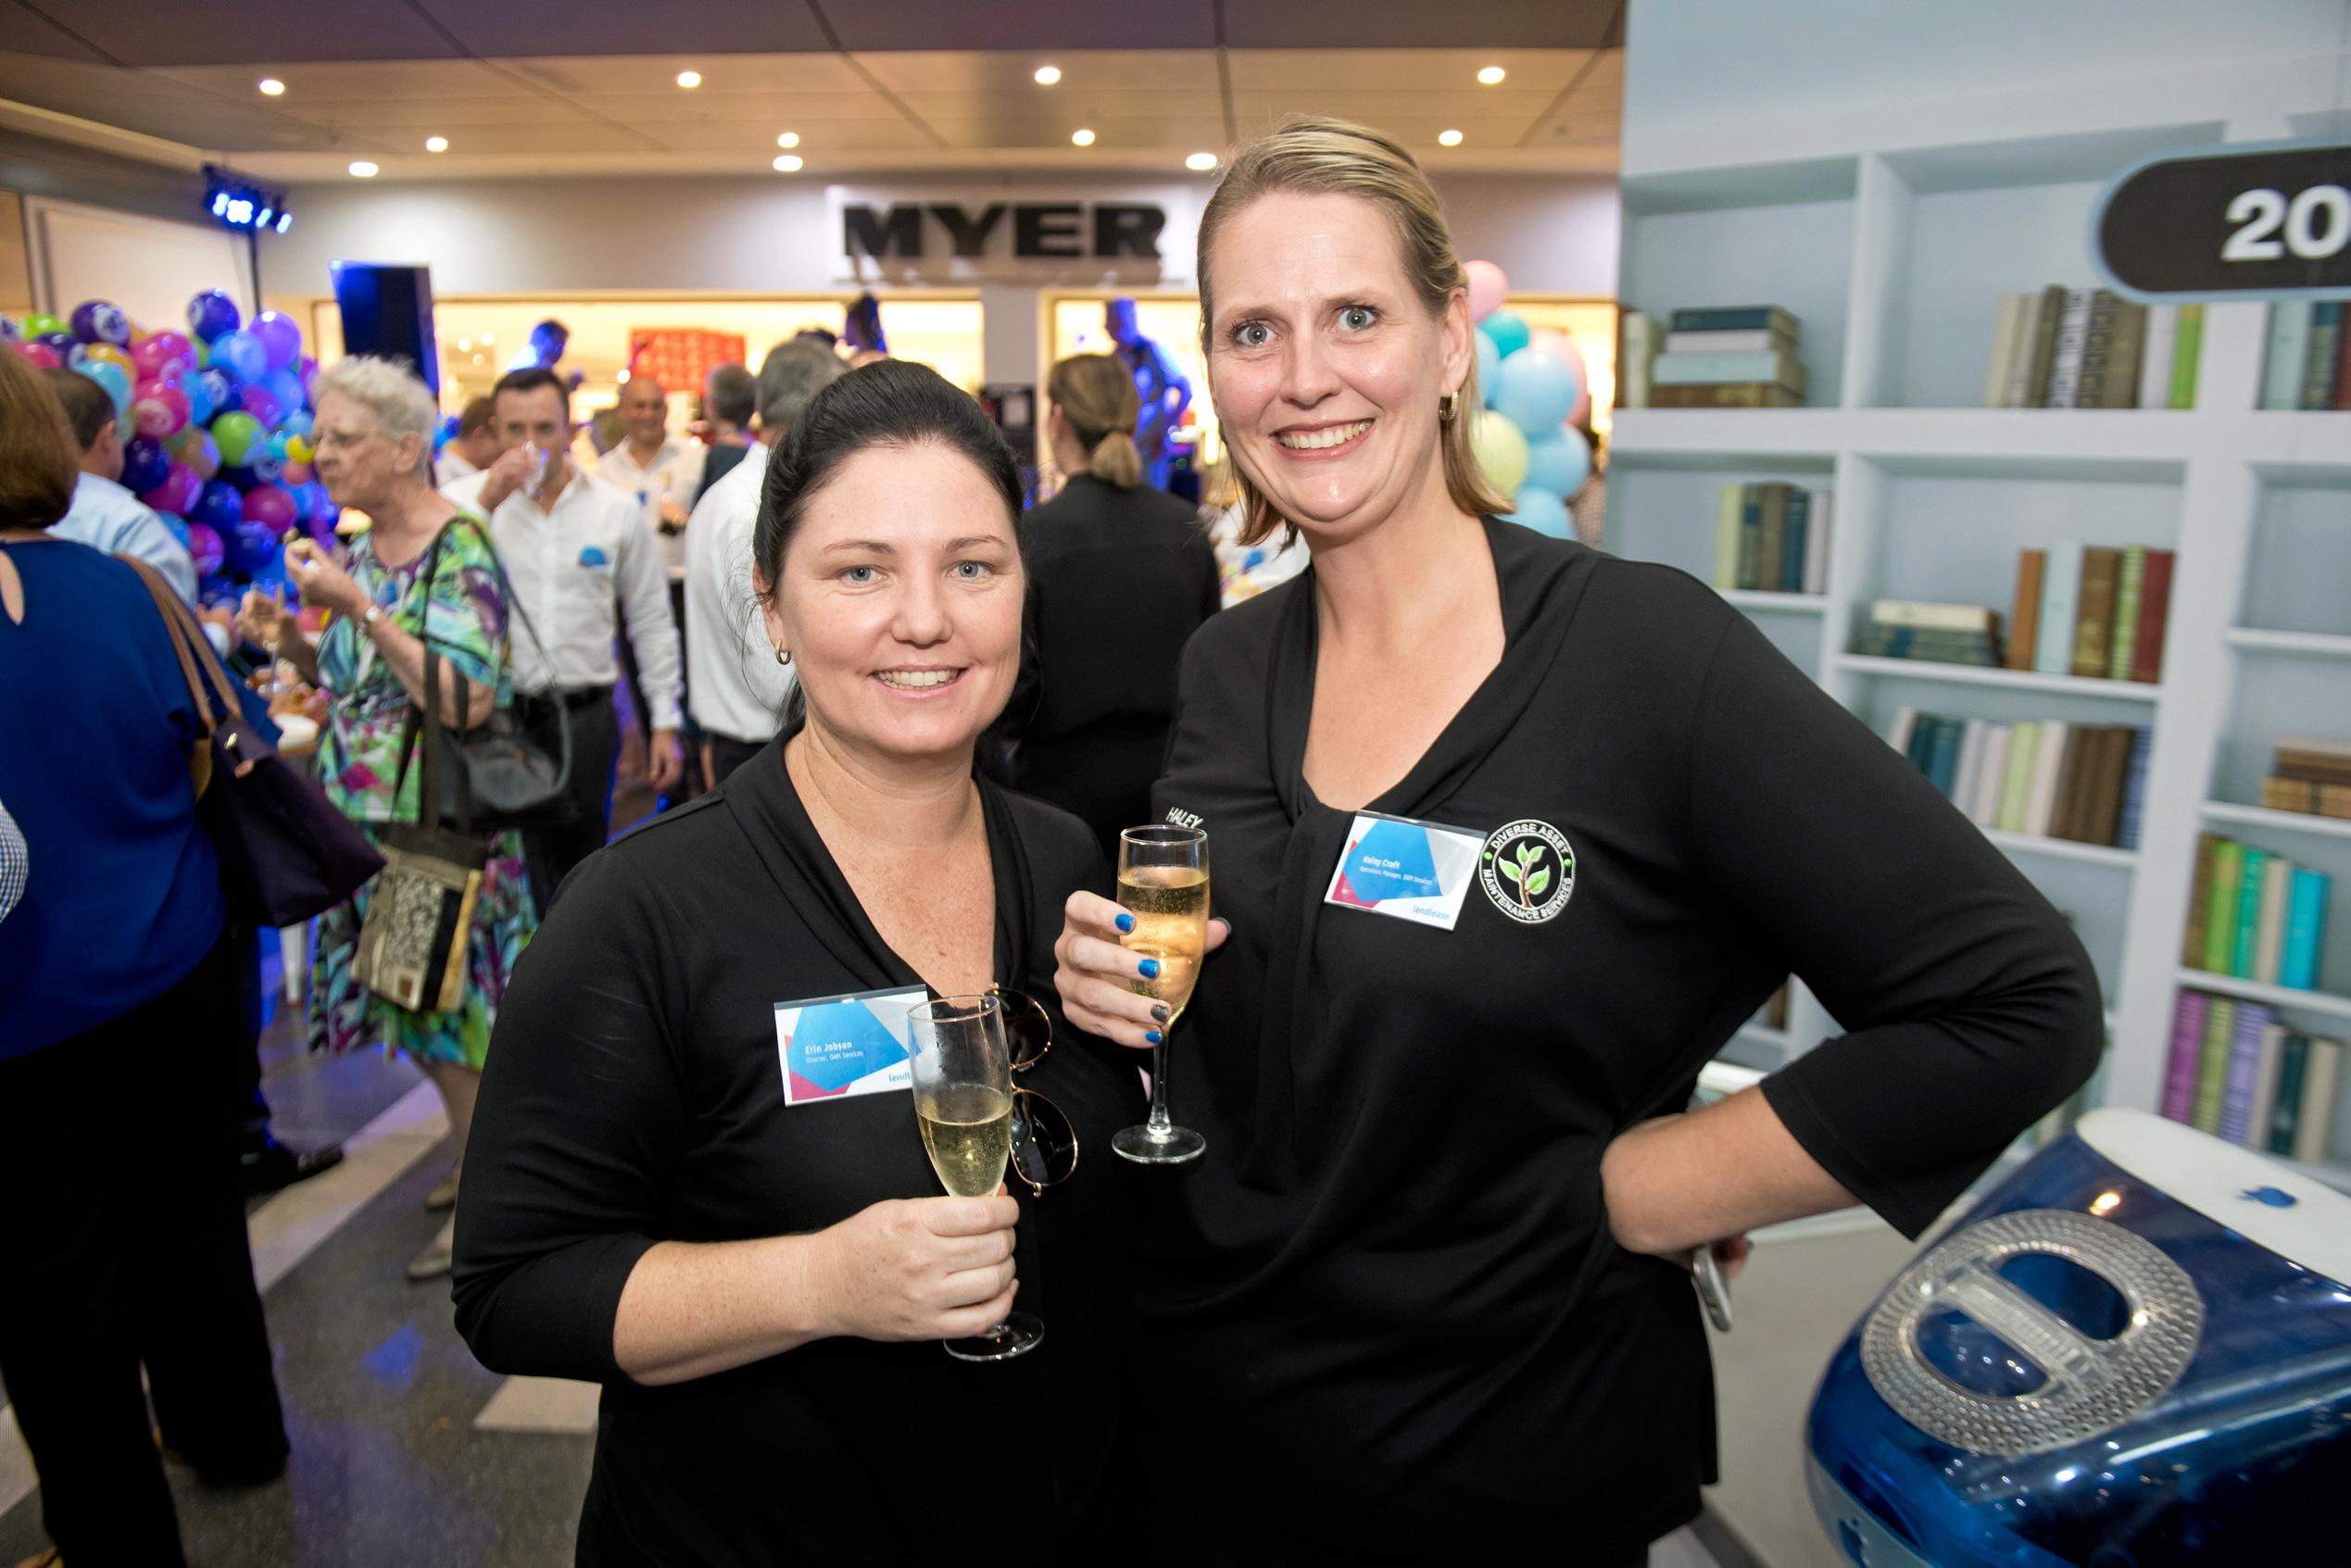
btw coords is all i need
(833, 1048)
(1418, 872)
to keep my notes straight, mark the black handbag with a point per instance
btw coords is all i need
(512, 775)
(286, 852)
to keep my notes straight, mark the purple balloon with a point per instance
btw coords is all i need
(179, 490)
(212, 313)
(262, 403)
(280, 336)
(144, 463)
(205, 546)
(96, 320)
(220, 508)
(60, 343)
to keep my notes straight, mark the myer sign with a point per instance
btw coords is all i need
(1052, 236)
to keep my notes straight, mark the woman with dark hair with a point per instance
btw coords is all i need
(119, 1001)
(1120, 575)
(667, 1192)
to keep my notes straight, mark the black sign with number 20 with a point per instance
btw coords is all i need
(2271, 221)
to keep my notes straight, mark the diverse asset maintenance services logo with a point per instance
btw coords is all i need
(1533, 859)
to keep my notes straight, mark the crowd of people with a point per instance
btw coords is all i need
(1427, 1293)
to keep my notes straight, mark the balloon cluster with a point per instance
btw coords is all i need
(1536, 393)
(216, 426)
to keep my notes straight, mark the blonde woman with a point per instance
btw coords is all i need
(1120, 576)
(1512, 836)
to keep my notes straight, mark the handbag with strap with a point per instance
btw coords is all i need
(516, 775)
(286, 853)
(413, 941)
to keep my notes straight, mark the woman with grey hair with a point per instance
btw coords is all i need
(423, 573)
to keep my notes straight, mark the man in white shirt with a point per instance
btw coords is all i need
(653, 465)
(579, 557)
(738, 689)
(474, 448)
(105, 516)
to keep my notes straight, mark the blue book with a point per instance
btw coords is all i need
(1735, 319)
(2306, 928)
(2134, 787)
(1791, 555)
(2060, 590)
(1943, 762)
(1921, 749)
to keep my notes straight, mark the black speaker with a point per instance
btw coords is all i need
(388, 310)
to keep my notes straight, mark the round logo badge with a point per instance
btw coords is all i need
(1527, 870)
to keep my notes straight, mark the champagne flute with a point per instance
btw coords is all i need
(1163, 881)
(274, 689)
(962, 1068)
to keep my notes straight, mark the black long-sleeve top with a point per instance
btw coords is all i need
(633, 1094)
(1119, 579)
(1391, 1292)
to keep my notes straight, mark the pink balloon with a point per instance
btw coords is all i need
(263, 405)
(1487, 289)
(296, 473)
(151, 356)
(269, 504)
(205, 548)
(159, 408)
(40, 356)
(178, 492)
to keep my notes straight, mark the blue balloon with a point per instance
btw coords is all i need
(1535, 390)
(242, 353)
(178, 525)
(220, 508)
(1488, 367)
(250, 545)
(1560, 462)
(63, 345)
(212, 313)
(298, 422)
(1539, 509)
(1509, 330)
(220, 390)
(144, 463)
(264, 464)
(199, 395)
(112, 378)
(286, 387)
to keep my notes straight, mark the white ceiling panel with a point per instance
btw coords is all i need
(756, 140)
(1205, 131)
(720, 73)
(425, 116)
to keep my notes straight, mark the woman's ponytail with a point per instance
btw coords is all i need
(1115, 460)
(1095, 394)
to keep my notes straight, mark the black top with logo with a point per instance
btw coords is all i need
(635, 1094)
(1389, 1295)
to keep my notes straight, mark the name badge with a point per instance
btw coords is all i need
(832, 1047)
(1418, 872)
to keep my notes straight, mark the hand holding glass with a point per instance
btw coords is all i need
(1163, 881)
(962, 1070)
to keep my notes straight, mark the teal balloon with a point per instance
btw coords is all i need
(1536, 390)
(113, 378)
(1539, 509)
(1509, 330)
(1488, 367)
(1560, 462)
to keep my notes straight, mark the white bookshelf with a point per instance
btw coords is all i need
(1893, 252)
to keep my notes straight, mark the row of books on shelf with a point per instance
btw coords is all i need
(1722, 356)
(2086, 783)
(2308, 362)
(2256, 915)
(2095, 611)
(1937, 634)
(2310, 775)
(2085, 349)
(1773, 537)
(2235, 1072)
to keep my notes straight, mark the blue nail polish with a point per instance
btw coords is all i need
(1150, 969)
(1125, 922)
(1153, 1035)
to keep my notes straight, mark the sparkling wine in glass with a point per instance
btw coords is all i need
(274, 687)
(962, 1066)
(1163, 881)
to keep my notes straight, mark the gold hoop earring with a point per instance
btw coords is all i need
(1445, 409)
(782, 656)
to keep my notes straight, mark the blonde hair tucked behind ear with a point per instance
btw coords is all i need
(1315, 156)
(1097, 396)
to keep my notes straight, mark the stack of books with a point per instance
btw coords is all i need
(1933, 633)
(2238, 1074)
(2309, 362)
(1732, 356)
(2256, 915)
(2095, 611)
(2085, 349)
(2309, 775)
(1773, 537)
(2087, 783)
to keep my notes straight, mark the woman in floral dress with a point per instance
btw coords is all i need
(373, 429)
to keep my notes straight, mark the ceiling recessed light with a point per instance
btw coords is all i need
(436, 143)
(1048, 75)
(489, 337)
(1491, 76)
(789, 163)
(1448, 138)
(788, 139)
(1200, 161)
(271, 87)
(693, 78)
(1083, 138)
(363, 169)
(465, 346)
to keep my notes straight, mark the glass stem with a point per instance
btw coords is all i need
(1159, 1125)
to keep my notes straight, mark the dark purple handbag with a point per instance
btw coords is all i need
(286, 853)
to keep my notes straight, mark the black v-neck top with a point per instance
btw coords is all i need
(634, 1095)
(1389, 1288)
